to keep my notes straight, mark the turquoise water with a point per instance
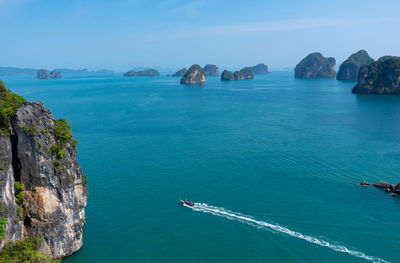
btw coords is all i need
(275, 162)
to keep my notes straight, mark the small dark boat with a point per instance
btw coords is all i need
(183, 202)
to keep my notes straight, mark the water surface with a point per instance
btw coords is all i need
(286, 152)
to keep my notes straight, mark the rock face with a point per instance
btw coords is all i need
(260, 69)
(227, 75)
(349, 69)
(244, 73)
(195, 75)
(316, 66)
(211, 70)
(380, 77)
(8, 207)
(55, 74)
(147, 72)
(390, 188)
(39, 155)
(42, 74)
(180, 73)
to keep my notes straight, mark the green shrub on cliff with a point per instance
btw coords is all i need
(3, 222)
(19, 193)
(9, 103)
(63, 130)
(25, 251)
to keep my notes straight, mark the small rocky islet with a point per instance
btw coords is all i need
(142, 73)
(244, 73)
(349, 69)
(194, 75)
(260, 69)
(180, 73)
(44, 74)
(381, 77)
(315, 66)
(211, 70)
(394, 189)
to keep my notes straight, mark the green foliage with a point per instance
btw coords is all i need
(40, 146)
(62, 130)
(30, 130)
(19, 198)
(380, 77)
(21, 212)
(25, 251)
(9, 103)
(58, 150)
(44, 131)
(83, 220)
(5, 131)
(3, 222)
(398, 184)
(2, 167)
(72, 179)
(84, 179)
(18, 188)
(74, 143)
(57, 164)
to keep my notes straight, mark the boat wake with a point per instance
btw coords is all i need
(221, 212)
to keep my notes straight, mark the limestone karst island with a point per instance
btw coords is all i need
(199, 131)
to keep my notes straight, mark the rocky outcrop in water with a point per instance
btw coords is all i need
(260, 69)
(211, 70)
(180, 73)
(42, 188)
(316, 66)
(227, 75)
(42, 74)
(195, 75)
(349, 69)
(244, 73)
(381, 77)
(55, 74)
(147, 72)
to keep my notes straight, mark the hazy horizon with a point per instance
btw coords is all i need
(126, 34)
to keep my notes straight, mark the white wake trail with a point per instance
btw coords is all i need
(219, 211)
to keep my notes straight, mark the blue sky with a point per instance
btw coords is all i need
(123, 34)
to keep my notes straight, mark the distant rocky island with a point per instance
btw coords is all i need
(13, 71)
(147, 72)
(260, 69)
(42, 187)
(349, 69)
(381, 77)
(195, 75)
(244, 73)
(180, 73)
(211, 70)
(55, 74)
(316, 66)
(43, 74)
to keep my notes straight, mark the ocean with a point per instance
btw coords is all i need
(273, 164)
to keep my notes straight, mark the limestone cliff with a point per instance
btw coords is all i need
(211, 70)
(381, 77)
(42, 188)
(195, 75)
(349, 69)
(316, 66)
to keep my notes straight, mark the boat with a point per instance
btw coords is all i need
(183, 202)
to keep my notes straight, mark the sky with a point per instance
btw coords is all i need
(124, 34)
